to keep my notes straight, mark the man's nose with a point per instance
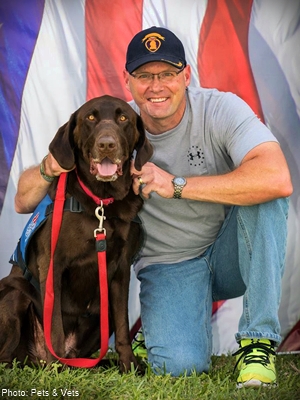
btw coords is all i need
(156, 82)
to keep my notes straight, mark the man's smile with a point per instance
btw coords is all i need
(158, 100)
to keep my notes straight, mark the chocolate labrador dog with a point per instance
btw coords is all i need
(100, 140)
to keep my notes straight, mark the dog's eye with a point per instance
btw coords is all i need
(123, 118)
(91, 117)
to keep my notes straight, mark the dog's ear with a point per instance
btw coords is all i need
(62, 145)
(144, 149)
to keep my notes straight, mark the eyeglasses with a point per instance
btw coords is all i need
(164, 77)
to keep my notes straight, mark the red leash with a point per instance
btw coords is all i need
(103, 287)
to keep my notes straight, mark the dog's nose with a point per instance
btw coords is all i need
(107, 143)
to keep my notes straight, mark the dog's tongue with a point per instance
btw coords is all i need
(106, 168)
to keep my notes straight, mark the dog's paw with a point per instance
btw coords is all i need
(129, 364)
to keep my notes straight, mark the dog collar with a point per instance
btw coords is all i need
(97, 200)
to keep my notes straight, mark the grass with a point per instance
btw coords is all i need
(106, 383)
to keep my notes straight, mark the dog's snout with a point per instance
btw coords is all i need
(107, 143)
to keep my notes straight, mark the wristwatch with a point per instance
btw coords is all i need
(179, 183)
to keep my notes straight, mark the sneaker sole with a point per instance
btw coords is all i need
(254, 383)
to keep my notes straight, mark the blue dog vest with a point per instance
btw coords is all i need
(37, 219)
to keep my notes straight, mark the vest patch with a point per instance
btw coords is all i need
(36, 220)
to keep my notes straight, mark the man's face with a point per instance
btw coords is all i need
(159, 100)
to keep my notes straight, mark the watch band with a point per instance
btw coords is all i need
(177, 191)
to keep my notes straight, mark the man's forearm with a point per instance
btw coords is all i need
(32, 188)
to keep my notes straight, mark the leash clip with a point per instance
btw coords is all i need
(99, 212)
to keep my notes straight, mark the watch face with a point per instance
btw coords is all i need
(179, 181)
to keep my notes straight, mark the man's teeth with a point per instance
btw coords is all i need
(161, 99)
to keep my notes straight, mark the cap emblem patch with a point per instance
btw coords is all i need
(152, 41)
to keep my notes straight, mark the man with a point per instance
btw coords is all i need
(214, 214)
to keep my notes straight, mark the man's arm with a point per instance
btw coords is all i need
(32, 187)
(262, 176)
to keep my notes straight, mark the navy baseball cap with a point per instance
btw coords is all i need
(155, 44)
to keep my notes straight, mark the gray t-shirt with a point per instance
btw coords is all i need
(217, 130)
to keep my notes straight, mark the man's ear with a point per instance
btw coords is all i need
(144, 149)
(126, 79)
(62, 145)
(187, 75)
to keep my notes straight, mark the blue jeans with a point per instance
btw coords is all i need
(246, 259)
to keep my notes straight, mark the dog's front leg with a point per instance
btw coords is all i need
(119, 306)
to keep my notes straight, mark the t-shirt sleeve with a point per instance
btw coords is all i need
(239, 129)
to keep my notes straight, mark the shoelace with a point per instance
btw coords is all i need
(246, 353)
(138, 342)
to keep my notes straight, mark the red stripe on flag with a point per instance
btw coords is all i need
(110, 25)
(223, 59)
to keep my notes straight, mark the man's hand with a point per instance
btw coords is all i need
(152, 179)
(52, 168)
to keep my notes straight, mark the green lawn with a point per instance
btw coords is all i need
(107, 383)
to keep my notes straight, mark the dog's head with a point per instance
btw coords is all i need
(103, 133)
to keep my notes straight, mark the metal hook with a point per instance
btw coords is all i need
(99, 212)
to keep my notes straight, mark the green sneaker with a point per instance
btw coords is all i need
(138, 345)
(256, 362)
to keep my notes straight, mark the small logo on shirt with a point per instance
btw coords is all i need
(195, 156)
